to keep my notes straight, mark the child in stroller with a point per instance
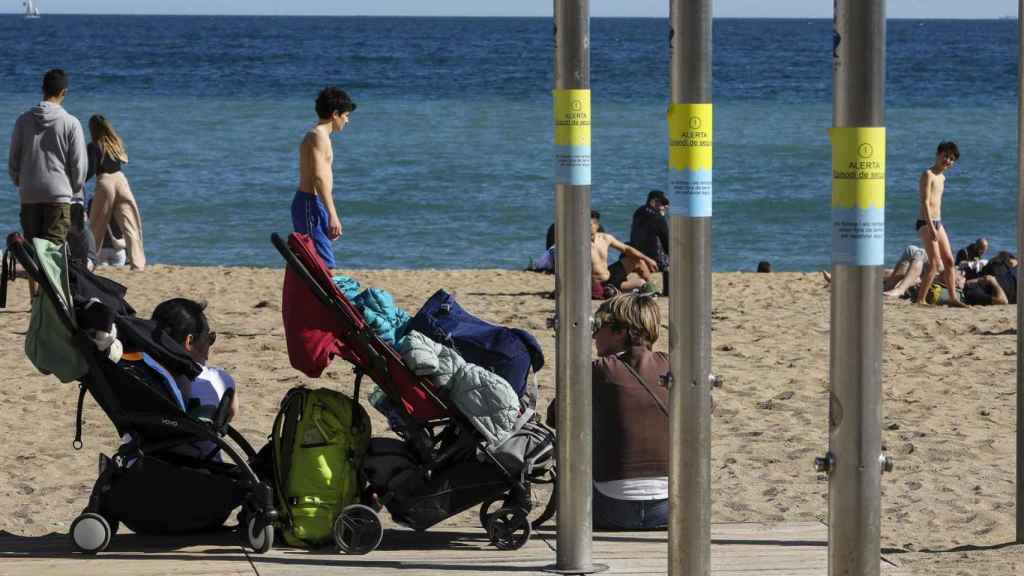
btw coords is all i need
(441, 464)
(124, 362)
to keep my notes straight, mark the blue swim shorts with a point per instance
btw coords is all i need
(309, 216)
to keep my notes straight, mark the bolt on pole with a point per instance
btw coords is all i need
(1020, 275)
(572, 234)
(690, 192)
(855, 461)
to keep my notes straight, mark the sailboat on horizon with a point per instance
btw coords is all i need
(31, 10)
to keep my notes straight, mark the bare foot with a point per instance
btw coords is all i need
(891, 294)
(827, 276)
(958, 304)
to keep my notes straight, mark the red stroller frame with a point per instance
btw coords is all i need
(328, 325)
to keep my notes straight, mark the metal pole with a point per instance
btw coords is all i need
(855, 461)
(690, 187)
(1020, 276)
(572, 233)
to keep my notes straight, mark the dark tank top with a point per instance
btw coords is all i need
(100, 163)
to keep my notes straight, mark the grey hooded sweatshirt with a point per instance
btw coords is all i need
(48, 161)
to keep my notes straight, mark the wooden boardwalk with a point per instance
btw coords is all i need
(745, 549)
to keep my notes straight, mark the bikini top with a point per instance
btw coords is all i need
(100, 163)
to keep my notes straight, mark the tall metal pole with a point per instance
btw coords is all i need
(855, 460)
(1020, 275)
(690, 188)
(572, 233)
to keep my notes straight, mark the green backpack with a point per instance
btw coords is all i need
(319, 440)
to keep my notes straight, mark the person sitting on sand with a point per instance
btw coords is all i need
(906, 273)
(1002, 269)
(970, 259)
(632, 271)
(649, 232)
(929, 224)
(984, 291)
(630, 404)
(185, 321)
(973, 251)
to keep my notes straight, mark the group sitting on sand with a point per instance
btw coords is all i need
(644, 255)
(926, 274)
(977, 281)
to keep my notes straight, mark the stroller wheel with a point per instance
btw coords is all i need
(509, 529)
(257, 535)
(357, 530)
(485, 512)
(90, 533)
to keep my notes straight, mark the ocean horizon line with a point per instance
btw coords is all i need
(489, 17)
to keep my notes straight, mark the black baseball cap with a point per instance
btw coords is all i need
(659, 196)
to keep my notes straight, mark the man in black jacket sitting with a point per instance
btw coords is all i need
(649, 232)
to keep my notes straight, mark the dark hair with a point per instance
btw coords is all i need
(333, 99)
(179, 317)
(659, 196)
(949, 147)
(54, 81)
(595, 215)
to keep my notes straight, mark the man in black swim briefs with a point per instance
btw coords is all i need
(929, 223)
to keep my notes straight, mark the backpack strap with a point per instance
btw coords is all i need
(282, 440)
(646, 387)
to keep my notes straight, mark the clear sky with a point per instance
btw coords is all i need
(650, 8)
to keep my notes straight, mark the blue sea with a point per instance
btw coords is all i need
(447, 161)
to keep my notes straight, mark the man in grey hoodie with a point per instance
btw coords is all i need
(48, 162)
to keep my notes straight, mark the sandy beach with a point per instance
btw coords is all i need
(948, 388)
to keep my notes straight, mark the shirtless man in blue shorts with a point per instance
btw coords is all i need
(313, 211)
(929, 224)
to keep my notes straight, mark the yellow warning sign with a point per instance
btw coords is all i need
(572, 118)
(858, 167)
(690, 137)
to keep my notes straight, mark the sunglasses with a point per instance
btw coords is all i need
(211, 337)
(599, 322)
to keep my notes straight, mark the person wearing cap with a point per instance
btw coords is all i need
(47, 161)
(649, 232)
(313, 211)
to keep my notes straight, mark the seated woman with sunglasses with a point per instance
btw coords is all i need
(630, 418)
(185, 322)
